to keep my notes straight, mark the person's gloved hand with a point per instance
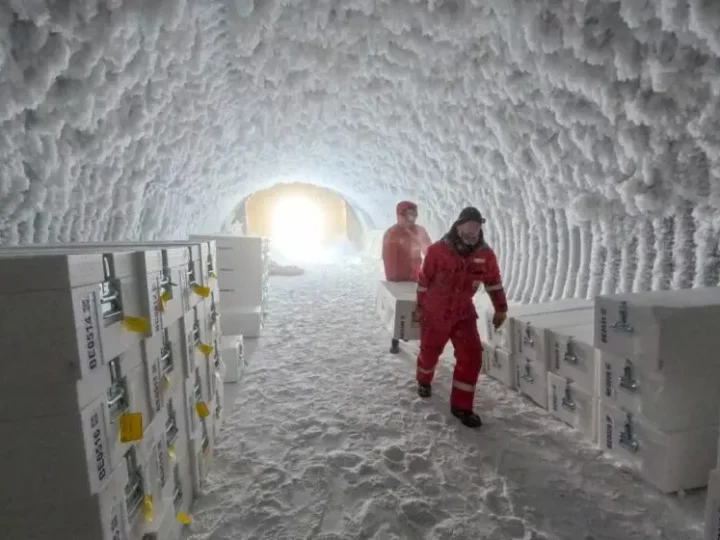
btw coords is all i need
(499, 319)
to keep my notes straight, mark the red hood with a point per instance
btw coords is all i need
(404, 206)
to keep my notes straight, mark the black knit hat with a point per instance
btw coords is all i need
(470, 214)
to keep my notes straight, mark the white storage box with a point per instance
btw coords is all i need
(130, 286)
(500, 365)
(712, 506)
(669, 461)
(532, 332)
(69, 341)
(73, 454)
(245, 320)
(201, 455)
(233, 357)
(23, 270)
(242, 268)
(677, 402)
(573, 405)
(198, 343)
(665, 331)
(500, 337)
(396, 303)
(28, 400)
(532, 380)
(573, 355)
(103, 516)
(212, 314)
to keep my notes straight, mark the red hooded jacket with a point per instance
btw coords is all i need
(403, 247)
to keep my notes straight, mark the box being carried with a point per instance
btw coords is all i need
(396, 306)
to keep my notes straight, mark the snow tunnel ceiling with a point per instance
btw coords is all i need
(587, 131)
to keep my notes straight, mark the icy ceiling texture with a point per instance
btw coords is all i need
(587, 131)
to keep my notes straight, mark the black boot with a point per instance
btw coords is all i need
(395, 346)
(467, 418)
(424, 390)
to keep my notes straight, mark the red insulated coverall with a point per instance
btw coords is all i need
(446, 286)
(403, 247)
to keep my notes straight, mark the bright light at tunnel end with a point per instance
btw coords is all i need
(298, 230)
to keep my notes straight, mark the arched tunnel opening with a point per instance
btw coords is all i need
(585, 133)
(304, 222)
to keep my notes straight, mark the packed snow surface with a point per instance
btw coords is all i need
(329, 441)
(588, 131)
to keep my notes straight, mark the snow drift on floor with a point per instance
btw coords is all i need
(329, 441)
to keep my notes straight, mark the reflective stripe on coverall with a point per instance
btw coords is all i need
(403, 247)
(446, 286)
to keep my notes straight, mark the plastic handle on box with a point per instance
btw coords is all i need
(136, 324)
(131, 427)
(183, 518)
(201, 291)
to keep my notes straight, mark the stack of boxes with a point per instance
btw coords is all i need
(517, 352)
(243, 270)
(636, 373)
(658, 383)
(108, 388)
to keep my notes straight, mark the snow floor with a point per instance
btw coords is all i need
(328, 440)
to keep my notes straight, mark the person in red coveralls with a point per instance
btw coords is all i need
(402, 250)
(453, 269)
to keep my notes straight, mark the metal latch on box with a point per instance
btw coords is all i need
(191, 269)
(570, 356)
(528, 339)
(198, 385)
(177, 490)
(196, 327)
(117, 399)
(622, 324)
(567, 400)
(627, 379)
(167, 363)
(171, 429)
(134, 490)
(205, 438)
(110, 293)
(528, 371)
(627, 436)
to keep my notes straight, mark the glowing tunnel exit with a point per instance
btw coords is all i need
(297, 228)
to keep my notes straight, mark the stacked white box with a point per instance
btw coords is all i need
(531, 340)
(242, 267)
(501, 351)
(574, 364)
(658, 401)
(92, 343)
(233, 358)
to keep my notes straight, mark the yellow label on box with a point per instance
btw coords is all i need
(131, 427)
(201, 291)
(183, 518)
(136, 324)
(171, 452)
(205, 348)
(213, 274)
(148, 513)
(167, 383)
(202, 409)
